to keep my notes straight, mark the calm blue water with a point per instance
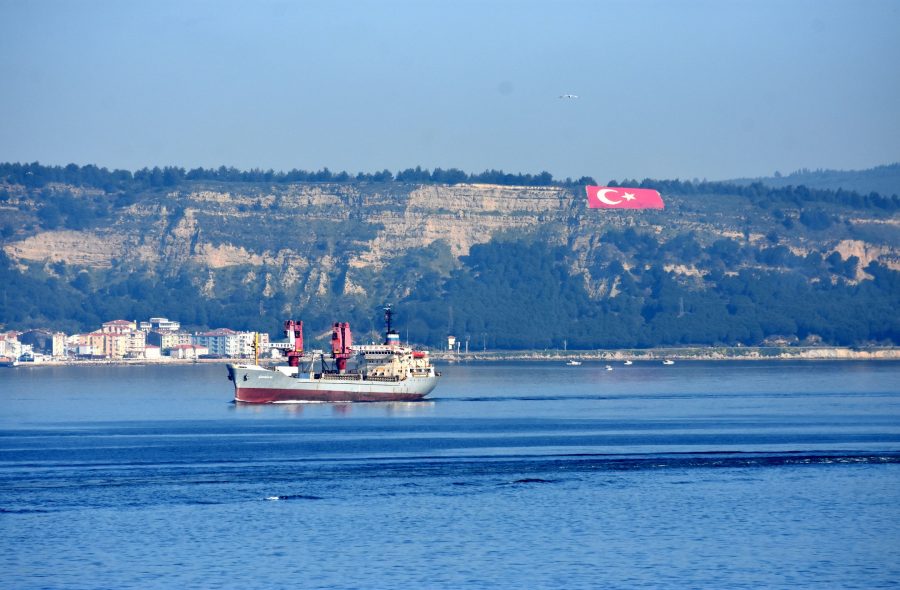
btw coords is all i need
(698, 475)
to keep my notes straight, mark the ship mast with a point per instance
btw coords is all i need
(391, 337)
(388, 315)
(256, 348)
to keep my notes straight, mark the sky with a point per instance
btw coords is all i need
(712, 89)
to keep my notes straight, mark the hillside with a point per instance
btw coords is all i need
(884, 180)
(506, 266)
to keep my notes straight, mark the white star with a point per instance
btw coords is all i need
(628, 197)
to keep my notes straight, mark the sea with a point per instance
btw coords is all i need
(768, 474)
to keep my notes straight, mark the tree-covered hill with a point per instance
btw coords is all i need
(884, 180)
(505, 260)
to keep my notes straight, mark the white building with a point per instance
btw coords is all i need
(135, 343)
(230, 344)
(168, 340)
(188, 351)
(118, 327)
(59, 345)
(161, 325)
(10, 347)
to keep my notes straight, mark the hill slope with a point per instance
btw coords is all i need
(510, 266)
(884, 180)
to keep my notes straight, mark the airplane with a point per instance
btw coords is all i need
(568, 96)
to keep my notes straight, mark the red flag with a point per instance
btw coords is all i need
(620, 197)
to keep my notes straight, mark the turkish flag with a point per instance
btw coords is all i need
(620, 197)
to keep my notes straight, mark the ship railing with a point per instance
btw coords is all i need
(341, 377)
(383, 349)
(382, 379)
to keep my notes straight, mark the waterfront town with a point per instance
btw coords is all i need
(157, 339)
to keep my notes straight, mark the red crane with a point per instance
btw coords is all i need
(293, 329)
(341, 344)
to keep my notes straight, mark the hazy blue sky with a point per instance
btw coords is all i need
(712, 89)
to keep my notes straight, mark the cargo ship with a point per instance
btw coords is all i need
(367, 373)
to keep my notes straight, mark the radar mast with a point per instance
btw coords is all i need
(391, 337)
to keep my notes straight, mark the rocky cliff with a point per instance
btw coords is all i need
(289, 230)
(296, 234)
(295, 245)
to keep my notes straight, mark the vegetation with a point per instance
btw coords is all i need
(35, 175)
(688, 275)
(518, 295)
(881, 179)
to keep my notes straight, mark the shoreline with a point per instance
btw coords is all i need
(122, 363)
(711, 353)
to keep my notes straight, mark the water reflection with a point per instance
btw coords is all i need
(337, 409)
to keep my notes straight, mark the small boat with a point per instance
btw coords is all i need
(573, 363)
(626, 363)
(609, 367)
(668, 362)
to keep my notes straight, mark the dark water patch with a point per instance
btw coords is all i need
(112, 437)
(25, 511)
(153, 485)
(375, 467)
(425, 445)
(294, 497)
(736, 460)
(586, 463)
(723, 395)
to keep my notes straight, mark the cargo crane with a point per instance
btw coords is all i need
(293, 330)
(341, 345)
(292, 347)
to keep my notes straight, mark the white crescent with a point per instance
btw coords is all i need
(601, 195)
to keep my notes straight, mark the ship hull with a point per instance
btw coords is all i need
(256, 385)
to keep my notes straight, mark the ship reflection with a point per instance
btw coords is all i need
(339, 409)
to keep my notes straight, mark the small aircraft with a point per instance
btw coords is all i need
(568, 96)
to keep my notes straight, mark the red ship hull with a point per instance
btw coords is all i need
(254, 395)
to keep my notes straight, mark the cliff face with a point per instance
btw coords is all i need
(460, 216)
(321, 238)
(78, 248)
(299, 233)
(518, 266)
(246, 254)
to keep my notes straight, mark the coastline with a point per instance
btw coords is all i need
(705, 353)
(122, 362)
(710, 353)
